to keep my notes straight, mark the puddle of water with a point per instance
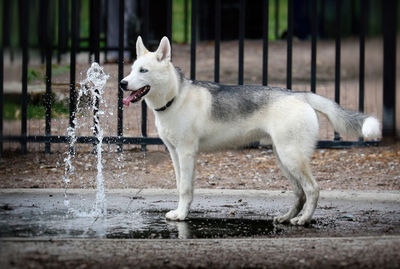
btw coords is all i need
(153, 226)
(203, 228)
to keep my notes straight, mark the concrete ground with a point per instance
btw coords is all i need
(225, 229)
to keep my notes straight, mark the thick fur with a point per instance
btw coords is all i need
(207, 116)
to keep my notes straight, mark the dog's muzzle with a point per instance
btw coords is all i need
(135, 95)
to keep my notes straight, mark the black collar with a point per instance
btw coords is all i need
(166, 106)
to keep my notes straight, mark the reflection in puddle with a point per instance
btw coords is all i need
(203, 228)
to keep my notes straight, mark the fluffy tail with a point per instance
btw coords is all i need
(344, 121)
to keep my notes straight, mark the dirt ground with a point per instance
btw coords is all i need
(367, 168)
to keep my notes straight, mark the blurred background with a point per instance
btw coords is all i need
(345, 50)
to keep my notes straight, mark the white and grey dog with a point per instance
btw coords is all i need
(194, 116)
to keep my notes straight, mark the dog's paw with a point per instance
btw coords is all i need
(299, 221)
(281, 219)
(175, 215)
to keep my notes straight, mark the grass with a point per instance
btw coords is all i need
(12, 111)
(40, 73)
(282, 19)
(178, 20)
(37, 110)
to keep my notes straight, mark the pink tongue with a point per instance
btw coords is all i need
(127, 100)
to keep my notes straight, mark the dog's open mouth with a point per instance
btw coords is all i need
(136, 95)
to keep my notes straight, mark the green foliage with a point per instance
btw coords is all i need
(59, 69)
(40, 73)
(178, 21)
(12, 111)
(34, 74)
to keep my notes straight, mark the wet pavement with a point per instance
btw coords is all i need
(35, 222)
(214, 214)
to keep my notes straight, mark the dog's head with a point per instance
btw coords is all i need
(149, 73)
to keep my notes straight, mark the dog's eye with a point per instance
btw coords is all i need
(143, 70)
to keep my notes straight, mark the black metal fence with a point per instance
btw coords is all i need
(70, 41)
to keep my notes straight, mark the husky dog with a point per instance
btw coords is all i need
(194, 116)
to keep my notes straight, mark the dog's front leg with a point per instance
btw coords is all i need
(187, 159)
(175, 162)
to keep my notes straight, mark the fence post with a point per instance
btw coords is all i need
(389, 67)
(193, 41)
(62, 28)
(72, 94)
(48, 48)
(314, 34)
(265, 42)
(95, 14)
(121, 48)
(169, 21)
(289, 45)
(24, 22)
(337, 55)
(242, 21)
(2, 77)
(217, 43)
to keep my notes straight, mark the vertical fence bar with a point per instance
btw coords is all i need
(361, 76)
(96, 29)
(105, 23)
(314, 29)
(121, 49)
(24, 12)
(96, 47)
(389, 67)
(92, 8)
(60, 20)
(322, 18)
(276, 19)
(72, 93)
(48, 98)
(337, 55)
(2, 75)
(193, 41)
(169, 20)
(265, 42)
(217, 43)
(146, 26)
(242, 17)
(289, 45)
(49, 48)
(62, 28)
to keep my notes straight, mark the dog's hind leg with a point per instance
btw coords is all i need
(187, 161)
(311, 189)
(297, 166)
(294, 131)
(299, 195)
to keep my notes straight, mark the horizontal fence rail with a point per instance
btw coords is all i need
(70, 40)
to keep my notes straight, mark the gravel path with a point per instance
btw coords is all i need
(369, 168)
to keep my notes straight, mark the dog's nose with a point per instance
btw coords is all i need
(123, 84)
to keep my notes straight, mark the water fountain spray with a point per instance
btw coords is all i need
(92, 86)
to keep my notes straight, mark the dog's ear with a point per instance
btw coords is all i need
(140, 48)
(163, 52)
